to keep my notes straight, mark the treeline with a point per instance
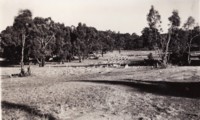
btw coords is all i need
(176, 45)
(42, 38)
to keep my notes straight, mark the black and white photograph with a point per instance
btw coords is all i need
(100, 59)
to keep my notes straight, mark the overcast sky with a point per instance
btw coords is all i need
(117, 15)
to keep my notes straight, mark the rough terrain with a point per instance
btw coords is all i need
(102, 93)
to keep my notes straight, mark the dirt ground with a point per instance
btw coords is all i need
(102, 93)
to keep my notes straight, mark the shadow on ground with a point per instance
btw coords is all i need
(176, 89)
(25, 108)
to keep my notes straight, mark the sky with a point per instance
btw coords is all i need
(124, 16)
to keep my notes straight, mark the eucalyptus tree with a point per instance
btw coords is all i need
(63, 42)
(67, 46)
(136, 42)
(11, 44)
(151, 34)
(131, 41)
(149, 37)
(105, 42)
(174, 24)
(189, 24)
(192, 32)
(73, 36)
(43, 39)
(119, 41)
(91, 40)
(102, 39)
(23, 25)
(80, 45)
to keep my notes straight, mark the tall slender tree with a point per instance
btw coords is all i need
(174, 24)
(151, 34)
(22, 24)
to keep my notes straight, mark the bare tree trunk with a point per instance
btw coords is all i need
(188, 57)
(43, 62)
(79, 57)
(165, 59)
(22, 55)
(38, 61)
(43, 57)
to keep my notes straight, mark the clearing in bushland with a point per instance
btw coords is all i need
(81, 91)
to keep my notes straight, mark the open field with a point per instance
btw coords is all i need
(105, 93)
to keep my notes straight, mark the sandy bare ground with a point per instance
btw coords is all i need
(102, 93)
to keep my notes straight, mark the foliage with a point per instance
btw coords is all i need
(11, 44)
(41, 38)
(175, 19)
(151, 37)
(153, 18)
(151, 34)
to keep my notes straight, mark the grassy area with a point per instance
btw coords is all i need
(116, 93)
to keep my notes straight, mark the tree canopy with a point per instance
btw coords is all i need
(43, 38)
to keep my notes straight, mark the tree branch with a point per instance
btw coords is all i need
(38, 60)
(50, 39)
